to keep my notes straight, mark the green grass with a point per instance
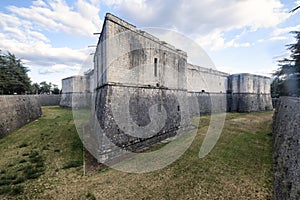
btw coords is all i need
(43, 160)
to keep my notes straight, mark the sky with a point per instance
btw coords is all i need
(54, 38)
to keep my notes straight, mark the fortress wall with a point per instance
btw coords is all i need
(126, 113)
(100, 59)
(141, 86)
(200, 79)
(74, 84)
(16, 111)
(286, 151)
(74, 92)
(207, 89)
(49, 100)
(206, 103)
(135, 58)
(247, 102)
(250, 83)
(249, 93)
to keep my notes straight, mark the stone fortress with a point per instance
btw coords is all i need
(138, 76)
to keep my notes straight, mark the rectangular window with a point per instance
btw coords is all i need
(155, 67)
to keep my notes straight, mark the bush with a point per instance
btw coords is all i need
(19, 179)
(18, 189)
(73, 163)
(22, 161)
(24, 144)
(12, 190)
(33, 154)
(32, 172)
(90, 196)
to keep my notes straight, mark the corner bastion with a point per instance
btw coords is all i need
(146, 81)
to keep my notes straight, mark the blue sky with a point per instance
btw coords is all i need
(52, 36)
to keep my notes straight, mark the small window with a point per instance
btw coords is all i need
(178, 108)
(155, 67)
(203, 91)
(159, 107)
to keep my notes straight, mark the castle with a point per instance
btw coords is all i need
(138, 77)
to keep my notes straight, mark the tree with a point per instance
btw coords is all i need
(35, 88)
(55, 89)
(288, 75)
(45, 88)
(13, 75)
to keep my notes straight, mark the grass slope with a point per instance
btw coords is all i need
(43, 160)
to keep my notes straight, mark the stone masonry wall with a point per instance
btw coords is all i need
(16, 111)
(248, 93)
(144, 81)
(125, 113)
(286, 152)
(49, 100)
(74, 92)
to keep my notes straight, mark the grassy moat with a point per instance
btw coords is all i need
(43, 160)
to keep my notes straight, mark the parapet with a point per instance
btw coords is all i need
(119, 21)
(145, 34)
(206, 70)
(250, 75)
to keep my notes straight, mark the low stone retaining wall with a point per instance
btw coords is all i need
(16, 111)
(49, 100)
(286, 133)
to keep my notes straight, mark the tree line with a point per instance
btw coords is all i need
(287, 78)
(14, 78)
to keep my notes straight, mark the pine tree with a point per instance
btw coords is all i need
(13, 75)
(288, 74)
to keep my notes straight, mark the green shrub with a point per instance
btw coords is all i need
(5, 189)
(32, 172)
(12, 190)
(73, 163)
(25, 154)
(17, 189)
(19, 179)
(33, 154)
(24, 144)
(90, 196)
(22, 161)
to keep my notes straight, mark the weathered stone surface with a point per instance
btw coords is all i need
(16, 111)
(76, 91)
(206, 103)
(286, 134)
(49, 100)
(249, 93)
(124, 122)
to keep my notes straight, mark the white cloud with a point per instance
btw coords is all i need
(58, 16)
(279, 38)
(39, 3)
(23, 33)
(203, 16)
(205, 20)
(216, 41)
(41, 54)
(281, 31)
